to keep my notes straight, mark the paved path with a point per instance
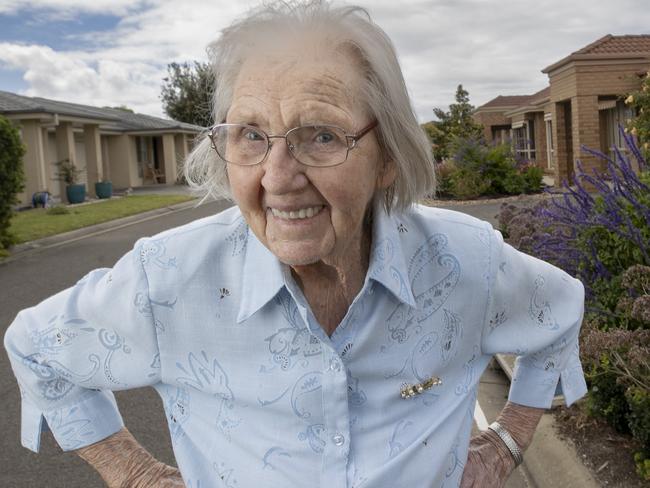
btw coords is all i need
(39, 273)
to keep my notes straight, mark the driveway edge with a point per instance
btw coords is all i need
(31, 247)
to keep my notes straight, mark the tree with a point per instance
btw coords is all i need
(123, 108)
(12, 180)
(187, 93)
(456, 123)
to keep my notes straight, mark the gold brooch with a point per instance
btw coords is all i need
(410, 391)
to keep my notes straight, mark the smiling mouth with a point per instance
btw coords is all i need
(303, 213)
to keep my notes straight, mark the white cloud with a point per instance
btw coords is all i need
(70, 8)
(492, 48)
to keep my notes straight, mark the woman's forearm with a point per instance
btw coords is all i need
(520, 421)
(120, 460)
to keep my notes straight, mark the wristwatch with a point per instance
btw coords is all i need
(510, 443)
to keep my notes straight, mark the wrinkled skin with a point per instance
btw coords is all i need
(122, 462)
(489, 463)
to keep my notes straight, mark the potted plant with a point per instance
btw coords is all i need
(68, 172)
(104, 189)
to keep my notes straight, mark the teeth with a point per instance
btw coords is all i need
(303, 213)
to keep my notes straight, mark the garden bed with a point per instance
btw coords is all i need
(608, 454)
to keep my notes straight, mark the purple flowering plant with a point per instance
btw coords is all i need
(593, 235)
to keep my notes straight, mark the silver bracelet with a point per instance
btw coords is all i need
(510, 443)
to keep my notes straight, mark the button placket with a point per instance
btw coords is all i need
(335, 365)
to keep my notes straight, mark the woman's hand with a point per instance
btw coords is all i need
(489, 463)
(123, 463)
(158, 475)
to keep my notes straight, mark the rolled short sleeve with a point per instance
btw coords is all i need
(70, 350)
(534, 312)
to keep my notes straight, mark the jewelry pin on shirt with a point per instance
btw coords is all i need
(410, 391)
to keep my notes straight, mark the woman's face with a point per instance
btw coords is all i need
(278, 96)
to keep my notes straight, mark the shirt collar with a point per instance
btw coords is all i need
(387, 261)
(263, 277)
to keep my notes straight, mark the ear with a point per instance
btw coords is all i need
(387, 175)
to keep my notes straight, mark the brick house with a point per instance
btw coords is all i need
(582, 106)
(130, 149)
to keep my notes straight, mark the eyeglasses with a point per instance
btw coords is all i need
(311, 145)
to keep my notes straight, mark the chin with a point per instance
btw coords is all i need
(297, 256)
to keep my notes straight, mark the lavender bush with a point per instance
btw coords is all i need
(594, 236)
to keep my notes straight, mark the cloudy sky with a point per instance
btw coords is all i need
(115, 52)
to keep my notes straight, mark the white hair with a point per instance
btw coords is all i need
(384, 92)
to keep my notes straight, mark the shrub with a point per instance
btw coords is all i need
(490, 170)
(638, 400)
(467, 184)
(616, 362)
(12, 180)
(533, 178)
(444, 184)
(642, 465)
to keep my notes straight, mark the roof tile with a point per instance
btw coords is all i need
(115, 119)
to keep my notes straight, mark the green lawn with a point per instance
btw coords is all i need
(29, 225)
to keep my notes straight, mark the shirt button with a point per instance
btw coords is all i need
(338, 439)
(335, 365)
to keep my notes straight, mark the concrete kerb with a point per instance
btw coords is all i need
(31, 247)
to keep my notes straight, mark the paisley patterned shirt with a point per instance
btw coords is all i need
(256, 394)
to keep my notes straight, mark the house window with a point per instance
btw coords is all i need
(142, 154)
(523, 140)
(610, 120)
(550, 149)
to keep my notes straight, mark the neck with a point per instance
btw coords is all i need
(331, 285)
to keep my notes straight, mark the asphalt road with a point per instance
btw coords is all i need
(37, 275)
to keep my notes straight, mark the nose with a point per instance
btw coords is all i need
(282, 173)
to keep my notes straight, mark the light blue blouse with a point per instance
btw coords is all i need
(256, 394)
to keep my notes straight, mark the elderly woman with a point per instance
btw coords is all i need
(325, 331)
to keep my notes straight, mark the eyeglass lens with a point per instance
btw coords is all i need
(311, 145)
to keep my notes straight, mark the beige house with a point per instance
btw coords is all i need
(126, 148)
(582, 106)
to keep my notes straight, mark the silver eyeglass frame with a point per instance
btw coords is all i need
(351, 139)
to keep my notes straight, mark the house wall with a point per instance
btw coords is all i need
(490, 119)
(49, 149)
(105, 161)
(121, 156)
(581, 84)
(33, 160)
(169, 157)
(82, 162)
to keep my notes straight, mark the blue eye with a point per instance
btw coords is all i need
(253, 135)
(324, 137)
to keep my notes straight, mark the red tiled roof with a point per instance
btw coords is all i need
(540, 95)
(618, 45)
(505, 101)
(514, 101)
(609, 46)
